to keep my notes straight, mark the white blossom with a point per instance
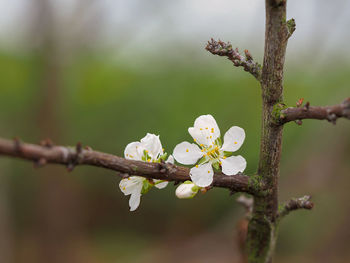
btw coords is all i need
(209, 150)
(149, 149)
(186, 190)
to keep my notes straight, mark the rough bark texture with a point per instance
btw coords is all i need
(261, 231)
(295, 204)
(223, 49)
(330, 113)
(73, 156)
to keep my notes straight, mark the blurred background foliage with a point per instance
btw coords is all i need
(64, 77)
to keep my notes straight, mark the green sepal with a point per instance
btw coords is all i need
(145, 156)
(146, 186)
(218, 142)
(203, 160)
(188, 182)
(195, 189)
(216, 165)
(228, 154)
(164, 156)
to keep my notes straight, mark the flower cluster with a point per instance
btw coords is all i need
(206, 153)
(149, 149)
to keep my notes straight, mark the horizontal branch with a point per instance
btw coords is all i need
(295, 204)
(73, 156)
(330, 113)
(222, 49)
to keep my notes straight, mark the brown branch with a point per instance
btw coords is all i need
(225, 49)
(330, 113)
(262, 233)
(295, 204)
(73, 156)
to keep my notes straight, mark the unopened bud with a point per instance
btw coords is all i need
(186, 190)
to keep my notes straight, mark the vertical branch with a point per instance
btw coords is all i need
(261, 231)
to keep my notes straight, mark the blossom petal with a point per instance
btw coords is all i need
(233, 139)
(152, 144)
(133, 151)
(170, 159)
(199, 136)
(160, 185)
(131, 185)
(208, 121)
(187, 153)
(233, 165)
(205, 130)
(134, 201)
(202, 175)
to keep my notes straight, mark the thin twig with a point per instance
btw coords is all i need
(330, 113)
(221, 48)
(295, 204)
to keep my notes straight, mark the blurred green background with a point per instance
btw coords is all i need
(78, 89)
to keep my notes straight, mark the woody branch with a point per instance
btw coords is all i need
(295, 204)
(330, 113)
(221, 48)
(73, 156)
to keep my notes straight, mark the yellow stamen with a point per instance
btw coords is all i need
(201, 129)
(128, 178)
(235, 142)
(211, 137)
(146, 151)
(187, 150)
(149, 160)
(206, 128)
(194, 140)
(197, 166)
(201, 145)
(124, 188)
(208, 172)
(220, 163)
(212, 130)
(224, 157)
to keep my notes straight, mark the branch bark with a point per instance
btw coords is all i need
(73, 156)
(221, 48)
(295, 204)
(262, 231)
(330, 113)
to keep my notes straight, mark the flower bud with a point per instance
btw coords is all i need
(186, 190)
